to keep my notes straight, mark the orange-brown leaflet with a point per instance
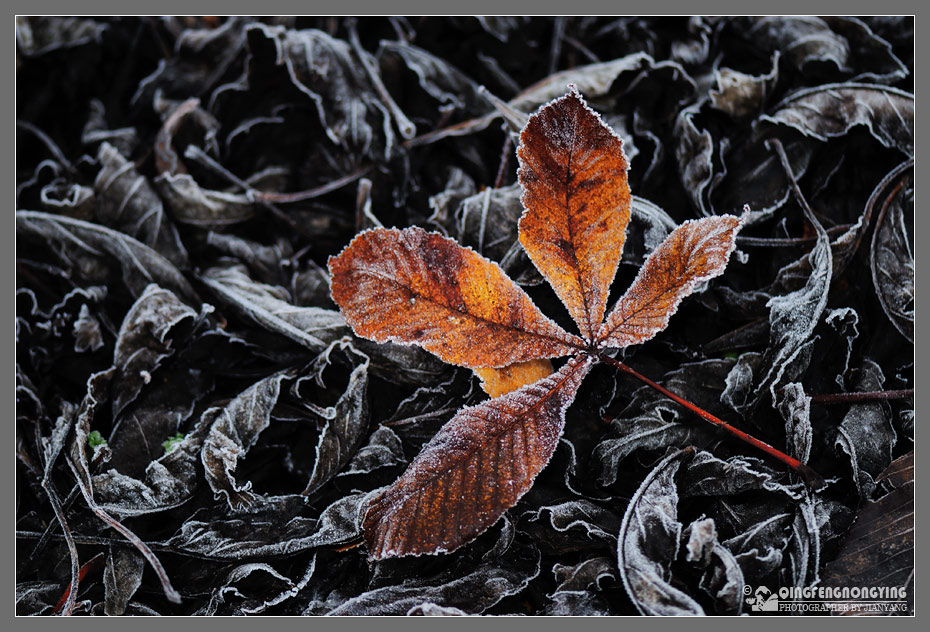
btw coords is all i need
(415, 287)
(496, 382)
(476, 467)
(694, 252)
(577, 200)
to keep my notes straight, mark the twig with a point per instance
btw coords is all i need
(52, 147)
(867, 396)
(776, 242)
(406, 127)
(812, 478)
(265, 199)
(309, 194)
(555, 51)
(92, 564)
(808, 211)
(505, 160)
(68, 606)
(66, 504)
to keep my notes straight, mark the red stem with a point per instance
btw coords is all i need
(812, 478)
(92, 565)
(844, 398)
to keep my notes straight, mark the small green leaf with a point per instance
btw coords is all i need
(95, 438)
(172, 441)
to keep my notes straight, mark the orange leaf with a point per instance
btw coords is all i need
(421, 288)
(694, 252)
(501, 381)
(476, 467)
(577, 199)
(414, 287)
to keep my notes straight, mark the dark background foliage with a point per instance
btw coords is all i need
(190, 402)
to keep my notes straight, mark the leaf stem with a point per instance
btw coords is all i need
(67, 605)
(868, 396)
(812, 478)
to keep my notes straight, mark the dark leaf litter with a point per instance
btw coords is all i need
(181, 183)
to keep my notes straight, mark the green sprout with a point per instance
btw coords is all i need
(172, 441)
(95, 438)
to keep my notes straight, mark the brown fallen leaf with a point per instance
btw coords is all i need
(694, 252)
(878, 550)
(414, 287)
(475, 468)
(573, 175)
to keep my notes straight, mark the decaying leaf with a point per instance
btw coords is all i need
(831, 110)
(85, 243)
(477, 591)
(143, 342)
(879, 548)
(345, 427)
(893, 260)
(234, 429)
(649, 541)
(793, 316)
(122, 578)
(126, 201)
(258, 535)
(866, 434)
(311, 327)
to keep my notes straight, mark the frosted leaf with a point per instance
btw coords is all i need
(649, 540)
(577, 199)
(695, 252)
(415, 287)
(312, 327)
(475, 468)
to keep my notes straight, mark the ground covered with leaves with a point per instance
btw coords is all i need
(199, 431)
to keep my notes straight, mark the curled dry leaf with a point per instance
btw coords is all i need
(312, 327)
(414, 287)
(347, 427)
(892, 259)
(127, 202)
(121, 579)
(649, 541)
(472, 593)
(143, 342)
(234, 429)
(86, 243)
(831, 110)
